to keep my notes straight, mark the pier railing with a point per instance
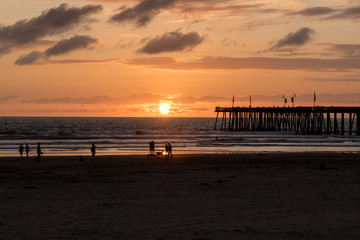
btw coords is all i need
(305, 120)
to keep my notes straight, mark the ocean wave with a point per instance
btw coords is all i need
(119, 135)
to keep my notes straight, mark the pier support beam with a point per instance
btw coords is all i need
(303, 120)
(342, 124)
(358, 123)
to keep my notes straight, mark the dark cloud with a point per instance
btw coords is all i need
(29, 58)
(5, 47)
(314, 11)
(348, 13)
(142, 13)
(299, 38)
(346, 49)
(67, 45)
(172, 41)
(51, 22)
(62, 47)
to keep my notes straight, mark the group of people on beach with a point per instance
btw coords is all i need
(166, 153)
(27, 150)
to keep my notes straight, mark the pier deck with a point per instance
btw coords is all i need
(304, 120)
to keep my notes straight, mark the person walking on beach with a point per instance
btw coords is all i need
(166, 150)
(170, 150)
(93, 151)
(21, 150)
(152, 148)
(27, 150)
(39, 152)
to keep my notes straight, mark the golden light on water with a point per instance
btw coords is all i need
(164, 108)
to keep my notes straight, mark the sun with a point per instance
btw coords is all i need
(164, 108)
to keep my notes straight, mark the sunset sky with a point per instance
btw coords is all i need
(124, 58)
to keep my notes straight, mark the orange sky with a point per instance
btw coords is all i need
(124, 58)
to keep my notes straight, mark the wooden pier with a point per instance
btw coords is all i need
(302, 120)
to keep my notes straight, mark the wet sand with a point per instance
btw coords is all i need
(219, 196)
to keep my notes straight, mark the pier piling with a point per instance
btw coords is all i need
(303, 120)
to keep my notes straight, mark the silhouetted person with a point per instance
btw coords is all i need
(27, 150)
(166, 150)
(93, 151)
(152, 148)
(21, 150)
(39, 152)
(169, 150)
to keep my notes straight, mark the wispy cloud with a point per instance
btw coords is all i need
(345, 49)
(299, 38)
(253, 25)
(51, 22)
(62, 47)
(348, 13)
(229, 63)
(172, 41)
(210, 63)
(8, 99)
(142, 13)
(127, 100)
(221, 8)
(328, 13)
(314, 11)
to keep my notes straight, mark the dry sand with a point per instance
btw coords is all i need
(228, 196)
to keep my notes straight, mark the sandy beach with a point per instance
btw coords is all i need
(219, 196)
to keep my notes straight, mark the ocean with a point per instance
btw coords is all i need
(112, 136)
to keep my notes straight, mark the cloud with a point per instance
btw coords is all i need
(348, 13)
(221, 8)
(127, 100)
(344, 78)
(29, 58)
(334, 99)
(230, 63)
(299, 38)
(62, 47)
(67, 45)
(346, 49)
(253, 25)
(171, 42)
(305, 99)
(51, 22)
(210, 63)
(142, 13)
(340, 79)
(7, 99)
(314, 11)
